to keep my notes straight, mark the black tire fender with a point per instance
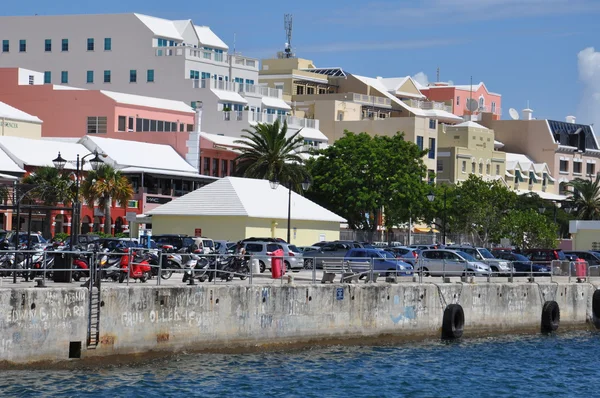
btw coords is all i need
(453, 323)
(596, 308)
(550, 316)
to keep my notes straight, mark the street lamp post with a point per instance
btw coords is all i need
(557, 206)
(305, 185)
(431, 198)
(60, 163)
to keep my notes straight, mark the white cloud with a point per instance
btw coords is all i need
(421, 78)
(588, 61)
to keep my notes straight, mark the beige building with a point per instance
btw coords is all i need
(525, 176)
(16, 123)
(342, 101)
(585, 234)
(469, 148)
(236, 208)
(570, 150)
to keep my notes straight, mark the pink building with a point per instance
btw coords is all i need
(459, 96)
(74, 112)
(218, 153)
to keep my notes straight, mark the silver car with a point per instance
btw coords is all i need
(451, 263)
(261, 250)
(498, 266)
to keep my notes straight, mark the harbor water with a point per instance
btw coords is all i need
(565, 364)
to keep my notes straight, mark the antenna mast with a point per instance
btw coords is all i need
(287, 25)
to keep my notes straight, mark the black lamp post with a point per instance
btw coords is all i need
(274, 185)
(431, 198)
(60, 163)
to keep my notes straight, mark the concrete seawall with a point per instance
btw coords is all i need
(39, 325)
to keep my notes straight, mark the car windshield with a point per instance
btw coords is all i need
(466, 256)
(519, 257)
(386, 254)
(218, 245)
(293, 248)
(207, 243)
(486, 253)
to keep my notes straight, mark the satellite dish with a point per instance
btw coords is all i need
(513, 114)
(472, 105)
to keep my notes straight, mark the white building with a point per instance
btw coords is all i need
(149, 56)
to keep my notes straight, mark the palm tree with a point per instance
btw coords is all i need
(103, 186)
(268, 154)
(586, 198)
(50, 187)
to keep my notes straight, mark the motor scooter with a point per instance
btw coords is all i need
(139, 268)
(196, 267)
(110, 266)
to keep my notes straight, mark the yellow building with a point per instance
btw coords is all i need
(16, 123)
(524, 176)
(585, 234)
(469, 148)
(235, 208)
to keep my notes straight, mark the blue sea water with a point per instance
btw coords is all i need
(565, 364)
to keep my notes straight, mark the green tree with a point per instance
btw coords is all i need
(360, 176)
(51, 187)
(267, 153)
(586, 198)
(480, 207)
(103, 186)
(527, 229)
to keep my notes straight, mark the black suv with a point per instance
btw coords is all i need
(173, 242)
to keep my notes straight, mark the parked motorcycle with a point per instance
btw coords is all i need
(139, 268)
(196, 267)
(110, 266)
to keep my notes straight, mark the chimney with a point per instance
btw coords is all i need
(199, 116)
(527, 114)
(571, 119)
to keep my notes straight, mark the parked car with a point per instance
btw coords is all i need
(406, 254)
(333, 250)
(554, 258)
(262, 251)
(304, 249)
(450, 262)
(383, 262)
(522, 266)
(173, 242)
(203, 245)
(114, 243)
(592, 258)
(423, 247)
(481, 254)
(82, 240)
(222, 246)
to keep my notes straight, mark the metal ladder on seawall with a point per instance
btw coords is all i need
(93, 334)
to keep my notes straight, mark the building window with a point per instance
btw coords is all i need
(300, 90)
(215, 167)
(310, 90)
(440, 165)
(458, 100)
(106, 76)
(5, 46)
(153, 125)
(497, 169)
(590, 169)
(231, 167)
(150, 75)
(464, 166)
(420, 142)
(431, 177)
(473, 167)
(432, 148)
(65, 44)
(64, 77)
(564, 166)
(576, 167)
(132, 76)
(107, 44)
(48, 45)
(224, 168)
(432, 124)
(130, 124)
(90, 44)
(90, 76)
(493, 107)
(22, 46)
(47, 77)
(480, 168)
(206, 167)
(340, 116)
(481, 102)
(488, 169)
(189, 127)
(96, 125)
(122, 123)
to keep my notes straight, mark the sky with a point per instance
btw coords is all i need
(545, 53)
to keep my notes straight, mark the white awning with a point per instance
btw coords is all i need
(509, 175)
(229, 96)
(174, 173)
(543, 195)
(271, 102)
(313, 134)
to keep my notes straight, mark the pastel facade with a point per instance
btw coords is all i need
(570, 150)
(72, 112)
(585, 235)
(16, 123)
(525, 176)
(148, 56)
(469, 148)
(457, 98)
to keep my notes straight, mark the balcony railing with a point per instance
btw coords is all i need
(260, 90)
(214, 84)
(246, 89)
(291, 120)
(371, 100)
(191, 53)
(429, 105)
(233, 115)
(495, 110)
(243, 61)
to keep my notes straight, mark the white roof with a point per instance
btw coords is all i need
(172, 173)
(222, 140)
(393, 85)
(471, 124)
(30, 152)
(123, 153)
(8, 165)
(525, 163)
(150, 102)
(272, 102)
(310, 133)
(208, 38)
(12, 113)
(233, 196)
(464, 87)
(229, 96)
(543, 195)
(498, 144)
(160, 27)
